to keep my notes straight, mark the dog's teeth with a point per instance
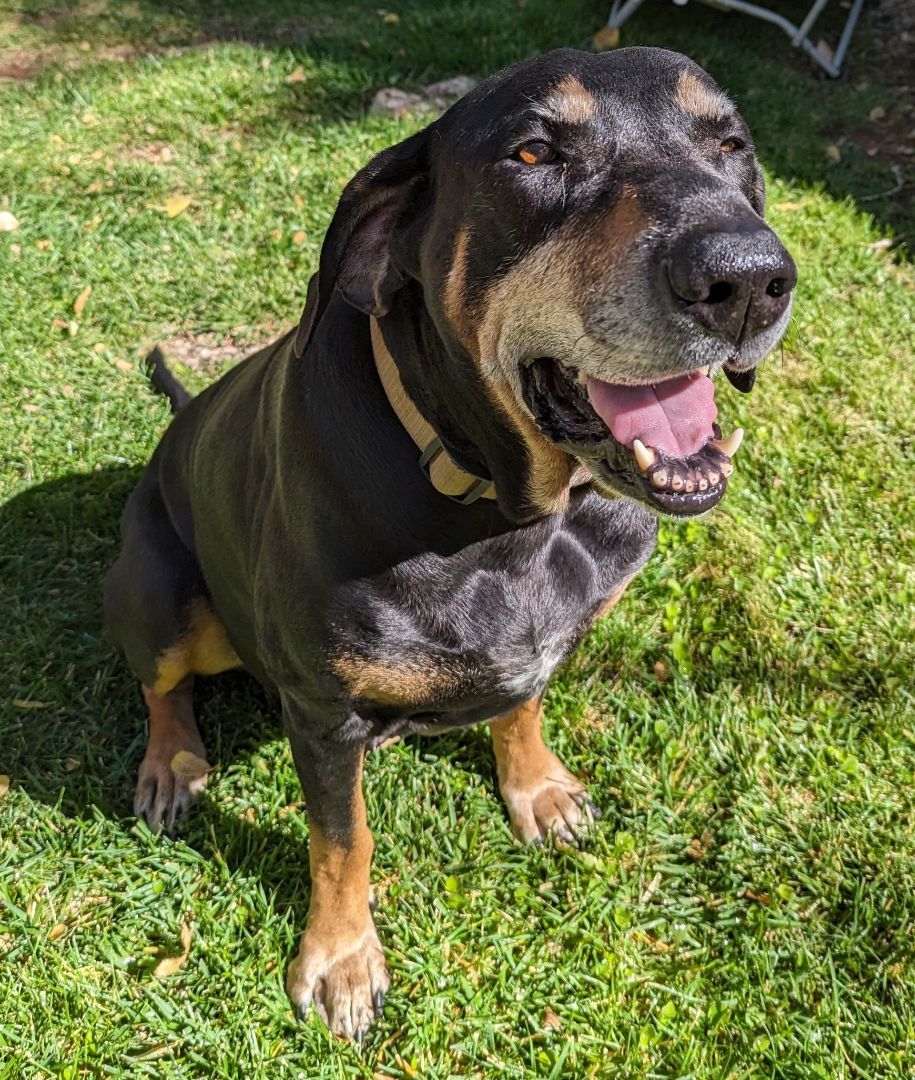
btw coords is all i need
(703, 484)
(645, 456)
(731, 444)
(726, 468)
(703, 370)
(659, 478)
(676, 482)
(690, 484)
(713, 477)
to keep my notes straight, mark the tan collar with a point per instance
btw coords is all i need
(446, 476)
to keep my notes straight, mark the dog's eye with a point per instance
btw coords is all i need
(536, 153)
(732, 144)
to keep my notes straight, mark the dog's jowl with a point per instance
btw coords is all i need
(403, 515)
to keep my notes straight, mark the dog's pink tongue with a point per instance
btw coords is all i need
(675, 416)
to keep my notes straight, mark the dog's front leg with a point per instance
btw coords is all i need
(543, 798)
(340, 967)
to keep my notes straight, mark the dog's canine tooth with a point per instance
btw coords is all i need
(644, 455)
(659, 478)
(731, 444)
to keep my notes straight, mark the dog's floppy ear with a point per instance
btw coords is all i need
(359, 256)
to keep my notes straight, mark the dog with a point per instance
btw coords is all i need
(405, 514)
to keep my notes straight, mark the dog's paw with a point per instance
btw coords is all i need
(166, 787)
(554, 806)
(344, 978)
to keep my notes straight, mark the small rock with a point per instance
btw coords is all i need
(391, 101)
(445, 92)
(436, 97)
(8, 222)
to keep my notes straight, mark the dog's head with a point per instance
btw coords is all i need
(584, 237)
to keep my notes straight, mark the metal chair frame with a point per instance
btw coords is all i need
(624, 9)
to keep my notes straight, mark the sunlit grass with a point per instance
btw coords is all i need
(744, 908)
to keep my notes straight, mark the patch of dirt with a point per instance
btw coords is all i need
(210, 353)
(70, 37)
(17, 64)
(154, 153)
(887, 60)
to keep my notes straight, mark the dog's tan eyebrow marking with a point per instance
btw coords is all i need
(571, 102)
(694, 97)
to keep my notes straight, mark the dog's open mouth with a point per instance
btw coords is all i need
(668, 429)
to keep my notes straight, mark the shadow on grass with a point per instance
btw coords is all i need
(72, 722)
(797, 117)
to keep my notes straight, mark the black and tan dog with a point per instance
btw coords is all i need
(406, 513)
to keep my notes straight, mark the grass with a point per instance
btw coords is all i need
(746, 907)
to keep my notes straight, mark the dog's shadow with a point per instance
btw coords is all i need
(72, 723)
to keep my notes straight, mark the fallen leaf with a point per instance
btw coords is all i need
(789, 207)
(389, 17)
(57, 931)
(833, 152)
(881, 245)
(124, 365)
(184, 763)
(551, 1020)
(80, 302)
(825, 50)
(298, 238)
(699, 846)
(176, 205)
(297, 76)
(608, 37)
(8, 222)
(4, 784)
(171, 964)
(757, 897)
(72, 764)
(24, 703)
(877, 113)
(650, 889)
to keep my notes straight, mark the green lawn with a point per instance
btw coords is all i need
(745, 908)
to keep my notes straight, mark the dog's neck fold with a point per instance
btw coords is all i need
(444, 473)
(443, 384)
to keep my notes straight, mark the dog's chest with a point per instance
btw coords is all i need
(452, 640)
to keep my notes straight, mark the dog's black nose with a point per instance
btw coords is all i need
(734, 283)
